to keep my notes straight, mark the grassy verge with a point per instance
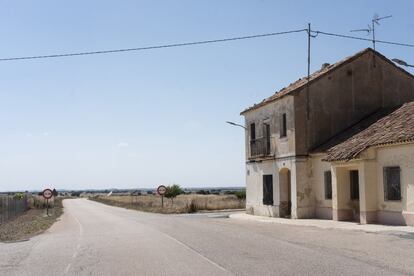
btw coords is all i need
(31, 223)
(181, 204)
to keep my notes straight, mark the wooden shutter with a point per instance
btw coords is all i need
(328, 184)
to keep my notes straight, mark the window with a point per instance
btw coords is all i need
(252, 131)
(354, 181)
(328, 184)
(283, 125)
(392, 185)
(266, 130)
(267, 189)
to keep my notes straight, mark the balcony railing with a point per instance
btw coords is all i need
(260, 147)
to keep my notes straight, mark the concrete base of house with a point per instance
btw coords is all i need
(372, 217)
(409, 218)
(304, 212)
(366, 217)
(342, 214)
(396, 218)
(323, 212)
(390, 218)
(263, 210)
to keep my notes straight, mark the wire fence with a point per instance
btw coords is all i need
(11, 207)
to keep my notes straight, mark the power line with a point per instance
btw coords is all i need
(202, 42)
(151, 47)
(364, 39)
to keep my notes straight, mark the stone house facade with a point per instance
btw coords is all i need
(300, 161)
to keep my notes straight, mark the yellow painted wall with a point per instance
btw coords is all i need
(402, 156)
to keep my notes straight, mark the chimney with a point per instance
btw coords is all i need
(324, 65)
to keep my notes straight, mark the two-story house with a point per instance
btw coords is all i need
(337, 145)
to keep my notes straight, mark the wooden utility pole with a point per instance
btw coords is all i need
(308, 78)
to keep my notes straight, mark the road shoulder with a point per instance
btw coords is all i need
(31, 223)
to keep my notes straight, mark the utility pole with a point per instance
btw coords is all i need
(308, 78)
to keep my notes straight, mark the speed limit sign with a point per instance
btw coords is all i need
(161, 190)
(47, 193)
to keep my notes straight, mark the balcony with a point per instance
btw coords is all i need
(260, 147)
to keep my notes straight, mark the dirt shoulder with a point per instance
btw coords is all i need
(31, 223)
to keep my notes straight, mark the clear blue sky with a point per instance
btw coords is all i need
(156, 117)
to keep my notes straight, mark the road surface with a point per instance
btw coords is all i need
(96, 239)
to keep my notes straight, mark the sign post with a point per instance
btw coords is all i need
(47, 194)
(161, 190)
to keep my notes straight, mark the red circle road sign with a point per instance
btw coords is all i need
(47, 193)
(161, 190)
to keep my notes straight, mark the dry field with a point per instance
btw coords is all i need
(182, 203)
(32, 222)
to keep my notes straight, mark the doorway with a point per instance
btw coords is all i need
(354, 193)
(285, 206)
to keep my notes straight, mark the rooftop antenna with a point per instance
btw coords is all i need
(371, 28)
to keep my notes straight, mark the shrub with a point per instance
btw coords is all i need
(192, 206)
(203, 192)
(172, 192)
(76, 194)
(241, 195)
(18, 196)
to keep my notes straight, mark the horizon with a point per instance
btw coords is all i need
(124, 189)
(141, 119)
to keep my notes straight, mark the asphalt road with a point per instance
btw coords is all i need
(96, 239)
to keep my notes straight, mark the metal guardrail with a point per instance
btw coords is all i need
(12, 207)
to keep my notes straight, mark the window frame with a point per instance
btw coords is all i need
(385, 177)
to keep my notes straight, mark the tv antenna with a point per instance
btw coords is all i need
(371, 28)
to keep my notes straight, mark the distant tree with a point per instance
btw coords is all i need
(172, 192)
(76, 194)
(18, 196)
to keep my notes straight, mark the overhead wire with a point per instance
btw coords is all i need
(150, 47)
